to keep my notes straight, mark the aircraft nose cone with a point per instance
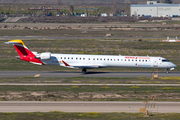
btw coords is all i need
(173, 65)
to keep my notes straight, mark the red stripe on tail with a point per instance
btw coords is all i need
(23, 51)
(26, 55)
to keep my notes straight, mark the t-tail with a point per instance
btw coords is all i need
(24, 53)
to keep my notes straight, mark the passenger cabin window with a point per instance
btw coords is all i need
(142, 60)
(93, 58)
(111, 59)
(61, 57)
(108, 59)
(117, 59)
(165, 60)
(100, 58)
(80, 58)
(146, 60)
(104, 59)
(64, 57)
(139, 60)
(72, 58)
(76, 58)
(129, 60)
(83, 58)
(89, 58)
(97, 58)
(68, 57)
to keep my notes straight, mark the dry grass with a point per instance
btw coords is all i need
(169, 78)
(89, 116)
(92, 80)
(86, 93)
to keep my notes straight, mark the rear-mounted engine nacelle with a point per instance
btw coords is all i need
(45, 55)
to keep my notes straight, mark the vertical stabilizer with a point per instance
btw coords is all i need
(21, 49)
(24, 53)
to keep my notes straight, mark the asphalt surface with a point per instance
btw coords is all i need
(88, 106)
(81, 84)
(58, 38)
(79, 74)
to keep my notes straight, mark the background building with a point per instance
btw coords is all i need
(154, 9)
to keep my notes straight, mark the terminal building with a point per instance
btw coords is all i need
(154, 9)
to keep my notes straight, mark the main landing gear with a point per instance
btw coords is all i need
(167, 71)
(84, 71)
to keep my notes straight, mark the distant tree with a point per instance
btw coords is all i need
(71, 9)
(117, 10)
(50, 13)
(168, 1)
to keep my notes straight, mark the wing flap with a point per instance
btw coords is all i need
(86, 66)
(79, 66)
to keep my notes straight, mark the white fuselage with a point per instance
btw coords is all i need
(103, 61)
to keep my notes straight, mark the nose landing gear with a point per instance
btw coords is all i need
(84, 71)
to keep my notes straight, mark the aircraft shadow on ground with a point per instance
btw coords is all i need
(96, 73)
(79, 72)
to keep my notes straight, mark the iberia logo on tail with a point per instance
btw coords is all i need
(24, 53)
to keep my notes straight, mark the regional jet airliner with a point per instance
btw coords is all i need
(80, 61)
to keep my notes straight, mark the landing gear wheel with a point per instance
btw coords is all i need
(84, 71)
(167, 71)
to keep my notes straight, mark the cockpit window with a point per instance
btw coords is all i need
(165, 60)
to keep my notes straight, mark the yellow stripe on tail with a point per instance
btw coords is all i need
(16, 42)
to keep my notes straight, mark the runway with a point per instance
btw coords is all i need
(73, 38)
(88, 106)
(79, 74)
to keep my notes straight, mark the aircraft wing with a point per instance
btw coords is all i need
(86, 66)
(79, 66)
